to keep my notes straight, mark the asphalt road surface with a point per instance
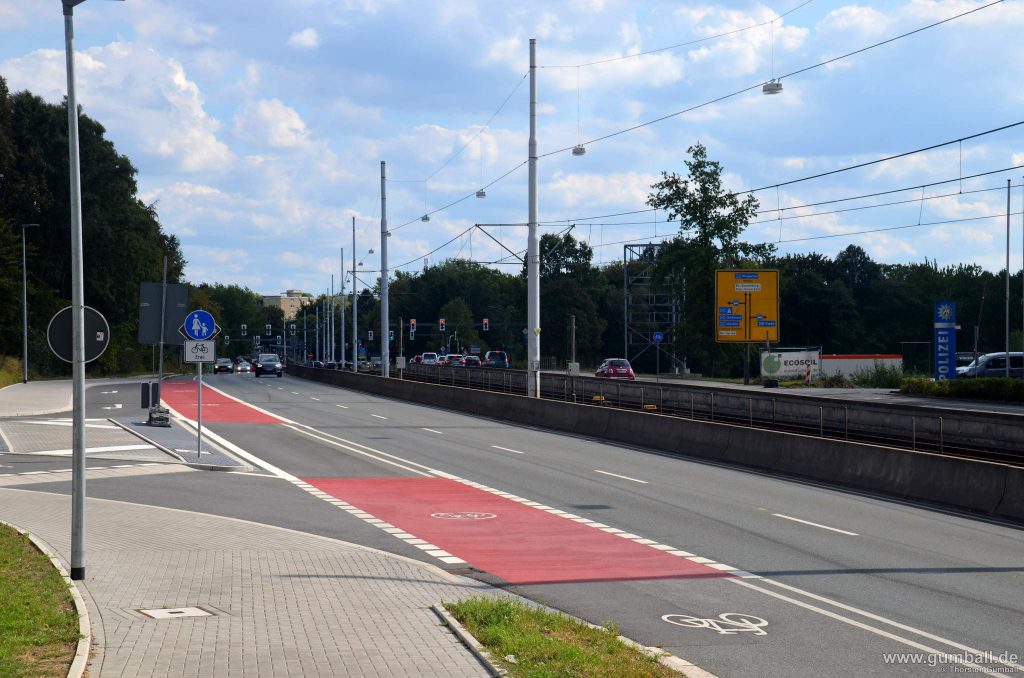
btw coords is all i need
(741, 573)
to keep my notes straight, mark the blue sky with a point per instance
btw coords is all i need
(258, 127)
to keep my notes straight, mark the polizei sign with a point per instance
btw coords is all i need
(945, 340)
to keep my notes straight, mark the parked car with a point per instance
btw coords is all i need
(615, 368)
(222, 365)
(268, 363)
(243, 366)
(496, 359)
(473, 361)
(429, 359)
(994, 365)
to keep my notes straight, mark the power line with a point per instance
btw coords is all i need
(787, 75)
(439, 247)
(685, 44)
(893, 228)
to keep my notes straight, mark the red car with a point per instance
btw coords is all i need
(615, 368)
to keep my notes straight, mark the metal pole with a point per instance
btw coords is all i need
(77, 314)
(355, 305)
(163, 314)
(24, 309)
(385, 320)
(317, 326)
(199, 414)
(533, 245)
(330, 322)
(1007, 278)
(341, 302)
(573, 317)
(305, 341)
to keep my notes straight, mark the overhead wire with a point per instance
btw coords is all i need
(781, 77)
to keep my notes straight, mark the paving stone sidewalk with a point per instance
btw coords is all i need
(284, 603)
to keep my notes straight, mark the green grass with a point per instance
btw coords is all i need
(550, 645)
(998, 389)
(38, 622)
(10, 371)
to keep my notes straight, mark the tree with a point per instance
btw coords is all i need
(711, 220)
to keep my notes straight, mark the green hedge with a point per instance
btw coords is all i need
(1001, 389)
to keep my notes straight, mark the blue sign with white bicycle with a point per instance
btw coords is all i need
(199, 325)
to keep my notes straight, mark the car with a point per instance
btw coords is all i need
(455, 360)
(993, 365)
(496, 359)
(429, 359)
(416, 359)
(375, 362)
(268, 363)
(242, 366)
(222, 365)
(615, 368)
(473, 361)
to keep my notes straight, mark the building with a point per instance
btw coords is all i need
(290, 302)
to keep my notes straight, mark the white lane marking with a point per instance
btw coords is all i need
(115, 406)
(807, 522)
(616, 475)
(312, 398)
(344, 407)
(378, 416)
(352, 449)
(890, 622)
(107, 392)
(867, 627)
(506, 449)
(295, 393)
(110, 448)
(64, 423)
(432, 431)
(280, 388)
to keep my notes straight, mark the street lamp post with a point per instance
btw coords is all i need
(533, 245)
(24, 307)
(355, 305)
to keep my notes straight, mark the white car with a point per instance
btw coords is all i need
(429, 359)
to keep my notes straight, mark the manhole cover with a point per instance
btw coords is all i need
(176, 612)
(464, 515)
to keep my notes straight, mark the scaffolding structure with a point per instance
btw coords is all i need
(646, 310)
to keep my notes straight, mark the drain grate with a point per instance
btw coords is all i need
(176, 612)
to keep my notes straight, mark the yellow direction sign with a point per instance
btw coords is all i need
(746, 305)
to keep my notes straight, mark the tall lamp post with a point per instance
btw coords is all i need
(24, 307)
(77, 311)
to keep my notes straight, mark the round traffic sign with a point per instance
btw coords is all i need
(658, 337)
(199, 325)
(60, 330)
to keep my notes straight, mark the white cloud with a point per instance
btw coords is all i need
(307, 38)
(139, 94)
(11, 17)
(272, 123)
(592, 190)
(865, 20)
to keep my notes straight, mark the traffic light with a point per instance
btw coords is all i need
(487, 325)
(391, 335)
(245, 330)
(442, 324)
(412, 326)
(371, 335)
(291, 329)
(227, 338)
(268, 328)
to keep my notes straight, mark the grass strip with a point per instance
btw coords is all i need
(547, 644)
(38, 621)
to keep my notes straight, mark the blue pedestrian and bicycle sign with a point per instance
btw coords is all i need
(199, 325)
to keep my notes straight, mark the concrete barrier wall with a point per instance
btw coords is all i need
(977, 486)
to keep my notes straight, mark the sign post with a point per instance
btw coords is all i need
(747, 303)
(945, 340)
(200, 348)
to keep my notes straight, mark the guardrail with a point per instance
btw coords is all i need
(966, 434)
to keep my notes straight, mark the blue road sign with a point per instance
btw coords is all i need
(945, 340)
(199, 325)
(658, 337)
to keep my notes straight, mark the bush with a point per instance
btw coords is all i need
(989, 388)
(879, 375)
(10, 371)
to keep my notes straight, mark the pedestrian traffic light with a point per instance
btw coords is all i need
(292, 329)
(442, 324)
(227, 338)
(391, 335)
(487, 325)
(371, 335)
(245, 330)
(268, 328)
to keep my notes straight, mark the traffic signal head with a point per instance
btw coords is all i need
(441, 325)
(487, 325)
(412, 325)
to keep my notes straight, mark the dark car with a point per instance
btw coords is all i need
(496, 359)
(223, 365)
(615, 368)
(268, 363)
(994, 365)
(473, 361)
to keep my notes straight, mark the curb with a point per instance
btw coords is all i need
(78, 664)
(177, 457)
(664, 658)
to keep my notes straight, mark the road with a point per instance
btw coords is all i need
(649, 542)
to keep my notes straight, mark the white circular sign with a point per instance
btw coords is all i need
(464, 515)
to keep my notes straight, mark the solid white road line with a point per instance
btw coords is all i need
(432, 431)
(378, 416)
(109, 448)
(506, 449)
(344, 407)
(379, 458)
(616, 475)
(807, 522)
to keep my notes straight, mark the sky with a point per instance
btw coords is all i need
(258, 127)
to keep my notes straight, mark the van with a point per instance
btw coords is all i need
(994, 365)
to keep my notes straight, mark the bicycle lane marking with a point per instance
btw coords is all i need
(217, 407)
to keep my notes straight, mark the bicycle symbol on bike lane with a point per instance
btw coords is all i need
(728, 623)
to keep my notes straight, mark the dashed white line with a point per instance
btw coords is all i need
(616, 475)
(506, 449)
(312, 398)
(432, 431)
(295, 393)
(378, 416)
(807, 522)
(344, 407)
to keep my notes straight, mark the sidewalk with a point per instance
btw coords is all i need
(282, 603)
(35, 397)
